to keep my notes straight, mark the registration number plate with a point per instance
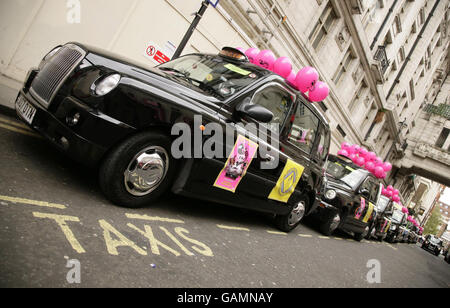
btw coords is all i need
(25, 109)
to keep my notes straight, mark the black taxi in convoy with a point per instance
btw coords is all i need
(107, 111)
(347, 199)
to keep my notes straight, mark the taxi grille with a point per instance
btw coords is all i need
(51, 77)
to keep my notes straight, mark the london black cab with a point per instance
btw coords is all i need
(347, 199)
(107, 111)
(433, 244)
(383, 222)
(398, 218)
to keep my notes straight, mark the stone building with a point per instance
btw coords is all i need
(386, 61)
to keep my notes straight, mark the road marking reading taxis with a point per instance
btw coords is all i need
(19, 130)
(62, 220)
(33, 202)
(233, 228)
(153, 218)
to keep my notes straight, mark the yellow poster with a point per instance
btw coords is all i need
(369, 212)
(287, 182)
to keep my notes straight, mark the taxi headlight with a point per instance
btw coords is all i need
(330, 194)
(106, 84)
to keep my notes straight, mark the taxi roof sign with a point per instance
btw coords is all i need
(233, 53)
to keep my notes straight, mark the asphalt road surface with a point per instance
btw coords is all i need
(58, 230)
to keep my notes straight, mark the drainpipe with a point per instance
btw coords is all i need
(391, 10)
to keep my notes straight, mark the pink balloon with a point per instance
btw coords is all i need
(291, 79)
(371, 155)
(378, 171)
(283, 67)
(266, 59)
(387, 167)
(370, 166)
(343, 153)
(396, 198)
(251, 54)
(345, 145)
(360, 161)
(379, 160)
(357, 148)
(390, 188)
(363, 152)
(319, 92)
(306, 78)
(352, 157)
(396, 192)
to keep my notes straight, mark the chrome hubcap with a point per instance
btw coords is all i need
(297, 214)
(366, 231)
(146, 171)
(335, 222)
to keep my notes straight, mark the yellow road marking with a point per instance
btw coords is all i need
(20, 131)
(32, 202)
(153, 218)
(395, 248)
(62, 222)
(233, 228)
(14, 123)
(338, 238)
(276, 232)
(324, 237)
(305, 235)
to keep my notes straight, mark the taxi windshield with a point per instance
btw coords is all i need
(213, 74)
(397, 216)
(343, 172)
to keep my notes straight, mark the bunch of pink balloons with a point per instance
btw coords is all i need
(392, 194)
(363, 158)
(405, 210)
(306, 80)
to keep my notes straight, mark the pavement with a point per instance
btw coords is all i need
(56, 227)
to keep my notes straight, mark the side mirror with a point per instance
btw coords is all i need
(254, 111)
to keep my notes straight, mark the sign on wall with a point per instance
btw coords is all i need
(159, 55)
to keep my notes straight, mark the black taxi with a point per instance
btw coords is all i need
(347, 199)
(147, 129)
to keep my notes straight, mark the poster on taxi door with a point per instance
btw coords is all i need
(237, 164)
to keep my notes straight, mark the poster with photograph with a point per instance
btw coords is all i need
(237, 164)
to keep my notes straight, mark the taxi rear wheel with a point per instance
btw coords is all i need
(289, 222)
(138, 171)
(330, 224)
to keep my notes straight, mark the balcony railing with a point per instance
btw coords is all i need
(442, 110)
(381, 57)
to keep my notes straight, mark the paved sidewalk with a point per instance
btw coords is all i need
(8, 92)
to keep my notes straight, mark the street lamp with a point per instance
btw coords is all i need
(193, 26)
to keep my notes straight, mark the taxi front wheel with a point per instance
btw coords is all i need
(138, 171)
(289, 222)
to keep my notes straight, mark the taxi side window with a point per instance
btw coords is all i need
(372, 186)
(324, 144)
(276, 100)
(304, 128)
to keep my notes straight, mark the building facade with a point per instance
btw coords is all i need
(385, 61)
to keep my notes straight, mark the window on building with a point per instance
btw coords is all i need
(341, 131)
(323, 26)
(442, 137)
(344, 66)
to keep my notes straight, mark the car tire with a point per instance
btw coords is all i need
(330, 224)
(371, 233)
(289, 222)
(121, 167)
(360, 236)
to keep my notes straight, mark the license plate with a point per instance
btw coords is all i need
(25, 109)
